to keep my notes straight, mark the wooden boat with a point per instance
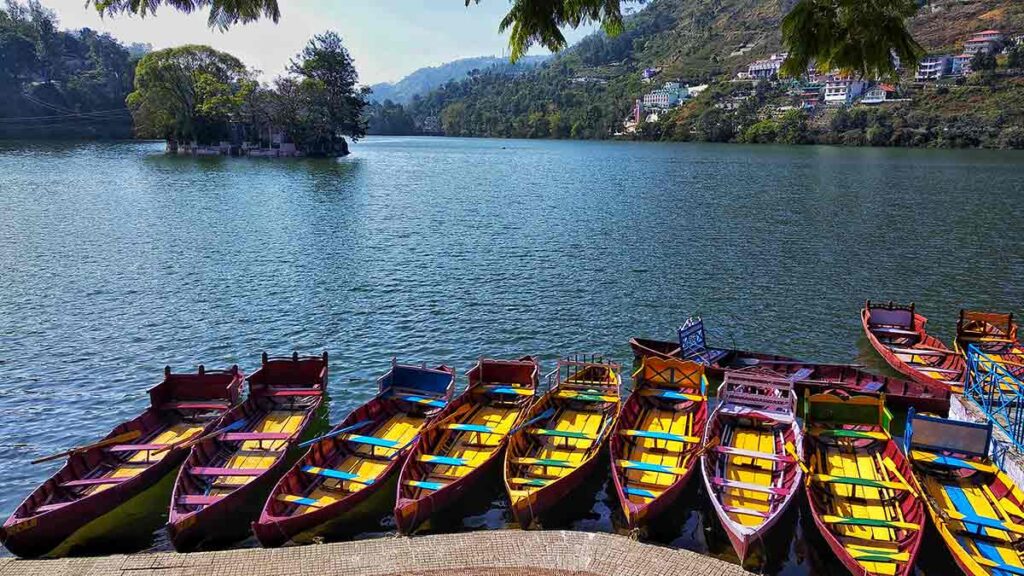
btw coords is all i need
(898, 334)
(975, 506)
(106, 494)
(348, 475)
(995, 335)
(660, 429)
(558, 445)
(859, 485)
(466, 443)
(227, 476)
(813, 376)
(750, 464)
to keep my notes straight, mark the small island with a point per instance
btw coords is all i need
(206, 102)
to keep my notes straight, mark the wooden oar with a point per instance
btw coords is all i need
(190, 443)
(335, 433)
(711, 444)
(791, 450)
(119, 439)
(542, 416)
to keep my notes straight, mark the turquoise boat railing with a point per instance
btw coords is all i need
(997, 392)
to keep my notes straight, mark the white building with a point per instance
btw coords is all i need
(767, 68)
(842, 91)
(933, 68)
(667, 97)
(878, 94)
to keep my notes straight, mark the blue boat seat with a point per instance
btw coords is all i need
(425, 485)
(369, 440)
(337, 474)
(442, 460)
(470, 428)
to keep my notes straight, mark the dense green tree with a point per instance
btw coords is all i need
(763, 132)
(983, 62)
(388, 118)
(189, 93)
(1015, 56)
(326, 62)
(793, 128)
(59, 83)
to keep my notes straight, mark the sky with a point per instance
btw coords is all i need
(387, 38)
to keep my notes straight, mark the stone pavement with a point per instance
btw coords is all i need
(487, 553)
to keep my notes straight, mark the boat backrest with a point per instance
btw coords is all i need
(524, 371)
(431, 382)
(758, 389)
(852, 410)
(940, 434)
(670, 373)
(972, 323)
(224, 385)
(693, 341)
(585, 372)
(289, 372)
(891, 314)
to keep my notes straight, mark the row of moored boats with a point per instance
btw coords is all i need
(415, 448)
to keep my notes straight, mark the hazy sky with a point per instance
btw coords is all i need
(387, 38)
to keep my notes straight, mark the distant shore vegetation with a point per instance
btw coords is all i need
(58, 84)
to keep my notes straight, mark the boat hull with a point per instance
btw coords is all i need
(341, 519)
(117, 522)
(228, 520)
(953, 363)
(330, 506)
(530, 509)
(411, 514)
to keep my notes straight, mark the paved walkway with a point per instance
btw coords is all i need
(488, 553)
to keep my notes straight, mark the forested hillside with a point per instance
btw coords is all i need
(57, 83)
(426, 79)
(588, 90)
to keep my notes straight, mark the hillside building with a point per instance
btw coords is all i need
(670, 96)
(933, 68)
(987, 41)
(768, 68)
(840, 91)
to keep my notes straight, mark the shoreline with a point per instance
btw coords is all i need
(482, 553)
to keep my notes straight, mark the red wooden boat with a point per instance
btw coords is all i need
(898, 334)
(814, 376)
(347, 477)
(995, 335)
(860, 486)
(661, 427)
(557, 447)
(106, 495)
(465, 444)
(750, 468)
(227, 476)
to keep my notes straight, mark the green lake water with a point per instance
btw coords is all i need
(117, 260)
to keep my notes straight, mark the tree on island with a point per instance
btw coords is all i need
(188, 94)
(196, 94)
(854, 35)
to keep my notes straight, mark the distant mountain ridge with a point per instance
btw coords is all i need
(426, 79)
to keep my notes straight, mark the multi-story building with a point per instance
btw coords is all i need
(960, 65)
(667, 97)
(933, 67)
(767, 68)
(840, 90)
(987, 41)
